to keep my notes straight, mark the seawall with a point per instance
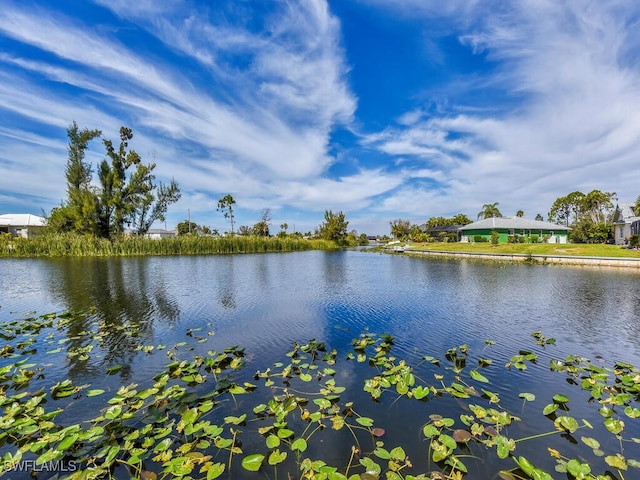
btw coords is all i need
(541, 259)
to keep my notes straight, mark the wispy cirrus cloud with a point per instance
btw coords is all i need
(511, 102)
(268, 115)
(568, 65)
(289, 86)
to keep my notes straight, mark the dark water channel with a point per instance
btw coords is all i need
(266, 302)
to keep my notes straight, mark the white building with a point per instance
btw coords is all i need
(623, 217)
(159, 233)
(21, 224)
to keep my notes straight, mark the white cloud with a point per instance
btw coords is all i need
(251, 111)
(577, 112)
(252, 127)
(288, 97)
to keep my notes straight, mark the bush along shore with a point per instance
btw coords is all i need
(61, 245)
(200, 416)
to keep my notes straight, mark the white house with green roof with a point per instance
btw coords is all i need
(519, 228)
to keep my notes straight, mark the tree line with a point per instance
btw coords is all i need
(334, 228)
(124, 196)
(589, 217)
(127, 196)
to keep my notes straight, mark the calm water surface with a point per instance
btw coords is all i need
(265, 302)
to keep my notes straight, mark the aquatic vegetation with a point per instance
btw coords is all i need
(61, 245)
(206, 416)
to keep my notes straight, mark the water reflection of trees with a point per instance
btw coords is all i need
(225, 282)
(127, 296)
(335, 271)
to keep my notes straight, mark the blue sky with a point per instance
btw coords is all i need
(382, 109)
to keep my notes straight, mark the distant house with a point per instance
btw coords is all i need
(21, 224)
(516, 227)
(623, 219)
(158, 233)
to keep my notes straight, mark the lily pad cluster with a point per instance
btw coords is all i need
(306, 416)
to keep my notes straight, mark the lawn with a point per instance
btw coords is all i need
(574, 249)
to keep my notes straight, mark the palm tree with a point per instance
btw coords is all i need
(489, 210)
(520, 213)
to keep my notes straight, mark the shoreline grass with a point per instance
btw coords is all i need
(70, 245)
(548, 249)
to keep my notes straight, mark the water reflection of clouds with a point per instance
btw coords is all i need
(266, 302)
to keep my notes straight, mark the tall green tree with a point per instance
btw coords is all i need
(589, 215)
(560, 212)
(115, 204)
(599, 206)
(225, 205)
(78, 213)
(563, 207)
(334, 227)
(188, 228)
(126, 194)
(417, 234)
(78, 171)
(245, 230)
(460, 219)
(434, 222)
(400, 228)
(262, 227)
(149, 201)
(489, 210)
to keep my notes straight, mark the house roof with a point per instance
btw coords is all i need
(624, 213)
(161, 231)
(21, 220)
(443, 229)
(512, 222)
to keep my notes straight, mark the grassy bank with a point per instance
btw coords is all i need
(550, 249)
(61, 245)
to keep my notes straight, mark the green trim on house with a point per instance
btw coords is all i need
(514, 229)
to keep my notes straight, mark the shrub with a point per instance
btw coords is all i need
(535, 238)
(512, 239)
(480, 239)
(495, 238)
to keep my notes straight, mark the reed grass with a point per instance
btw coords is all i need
(72, 245)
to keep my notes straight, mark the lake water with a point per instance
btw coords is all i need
(266, 302)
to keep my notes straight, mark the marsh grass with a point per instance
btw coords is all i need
(70, 245)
